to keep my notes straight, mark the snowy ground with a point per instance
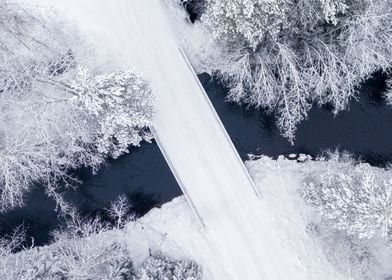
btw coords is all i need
(173, 230)
(324, 256)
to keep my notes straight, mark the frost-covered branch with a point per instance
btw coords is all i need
(89, 249)
(120, 211)
(285, 55)
(55, 114)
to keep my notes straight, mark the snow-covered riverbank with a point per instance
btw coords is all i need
(174, 231)
(321, 254)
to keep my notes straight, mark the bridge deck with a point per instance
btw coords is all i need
(138, 33)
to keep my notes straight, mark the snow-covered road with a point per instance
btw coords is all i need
(138, 34)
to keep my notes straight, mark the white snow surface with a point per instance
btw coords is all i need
(244, 236)
(174, 231)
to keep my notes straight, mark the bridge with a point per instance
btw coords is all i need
(139, 34)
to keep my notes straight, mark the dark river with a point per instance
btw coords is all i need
(145, 178)
(363, 130)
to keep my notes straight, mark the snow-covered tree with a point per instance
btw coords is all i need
(245, 21)
(120, 211)
(159, 267)
(81, 257)
(41, 138)
(82, 251)
(56, 115)
(88, 249)
(332, 9)
(355, 258)
(285, 55)
(12, 242)
(122, 104)
(355, 199)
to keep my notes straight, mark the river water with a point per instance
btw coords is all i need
(363, 130)
(145, 178)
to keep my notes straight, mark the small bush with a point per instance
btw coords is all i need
(159, 267)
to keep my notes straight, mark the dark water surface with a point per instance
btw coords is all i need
(364, 130)
(145, 178)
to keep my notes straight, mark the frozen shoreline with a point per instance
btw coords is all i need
(173, 230)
